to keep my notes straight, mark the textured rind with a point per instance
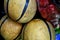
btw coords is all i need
(1, 20)
(21, 36)
(37, 30)
(15, 8)
(10, 29)
(52, 31)
(30, 12)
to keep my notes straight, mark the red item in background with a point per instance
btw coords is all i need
(48, 10)
(51, 11)
(43, 2)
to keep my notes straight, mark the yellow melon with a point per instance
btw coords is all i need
(9, 29)
(21, 11)
(38, 29)
(20, 37)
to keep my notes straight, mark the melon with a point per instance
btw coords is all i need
(38, 29)
(21, 11)
(9, 28)
(20, 37)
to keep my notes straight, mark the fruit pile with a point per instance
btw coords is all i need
(29, 20)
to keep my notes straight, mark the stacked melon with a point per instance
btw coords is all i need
(38, 29)
(9, 29)
(23, 11)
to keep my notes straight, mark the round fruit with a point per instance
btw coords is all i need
(20, 37)
(38, 30)
(20, 10)
(9, 29)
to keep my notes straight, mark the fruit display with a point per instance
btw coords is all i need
(9, 29)
(38, 29)
(21, 11)
(29, 19)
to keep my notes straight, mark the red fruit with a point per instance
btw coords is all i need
(48, 10)
(43, 2)
(51, 10)
(43, 12)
